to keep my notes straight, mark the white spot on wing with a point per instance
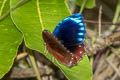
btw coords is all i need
(82, 28)
(80, 34)
(80, 52)
(81, 24)
(76, 20)
(80, 39)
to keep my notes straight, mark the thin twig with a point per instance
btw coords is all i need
(113, 78)
(116, 70)
(98, 68)
(21, 55)
(31, 56)
(103, 23)
(99, 20)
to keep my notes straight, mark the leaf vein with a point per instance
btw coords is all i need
(39, 14)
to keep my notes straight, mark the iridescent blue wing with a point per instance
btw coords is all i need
(71, 30)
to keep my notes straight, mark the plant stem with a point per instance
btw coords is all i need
(83, 5)
(31, 56)
(117, 12)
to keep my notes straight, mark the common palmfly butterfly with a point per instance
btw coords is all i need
(66, 41)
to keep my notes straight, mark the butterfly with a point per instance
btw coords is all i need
(66, 43)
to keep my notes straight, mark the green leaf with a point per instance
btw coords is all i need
(37, 15)
(10, 39)
(89, 3)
